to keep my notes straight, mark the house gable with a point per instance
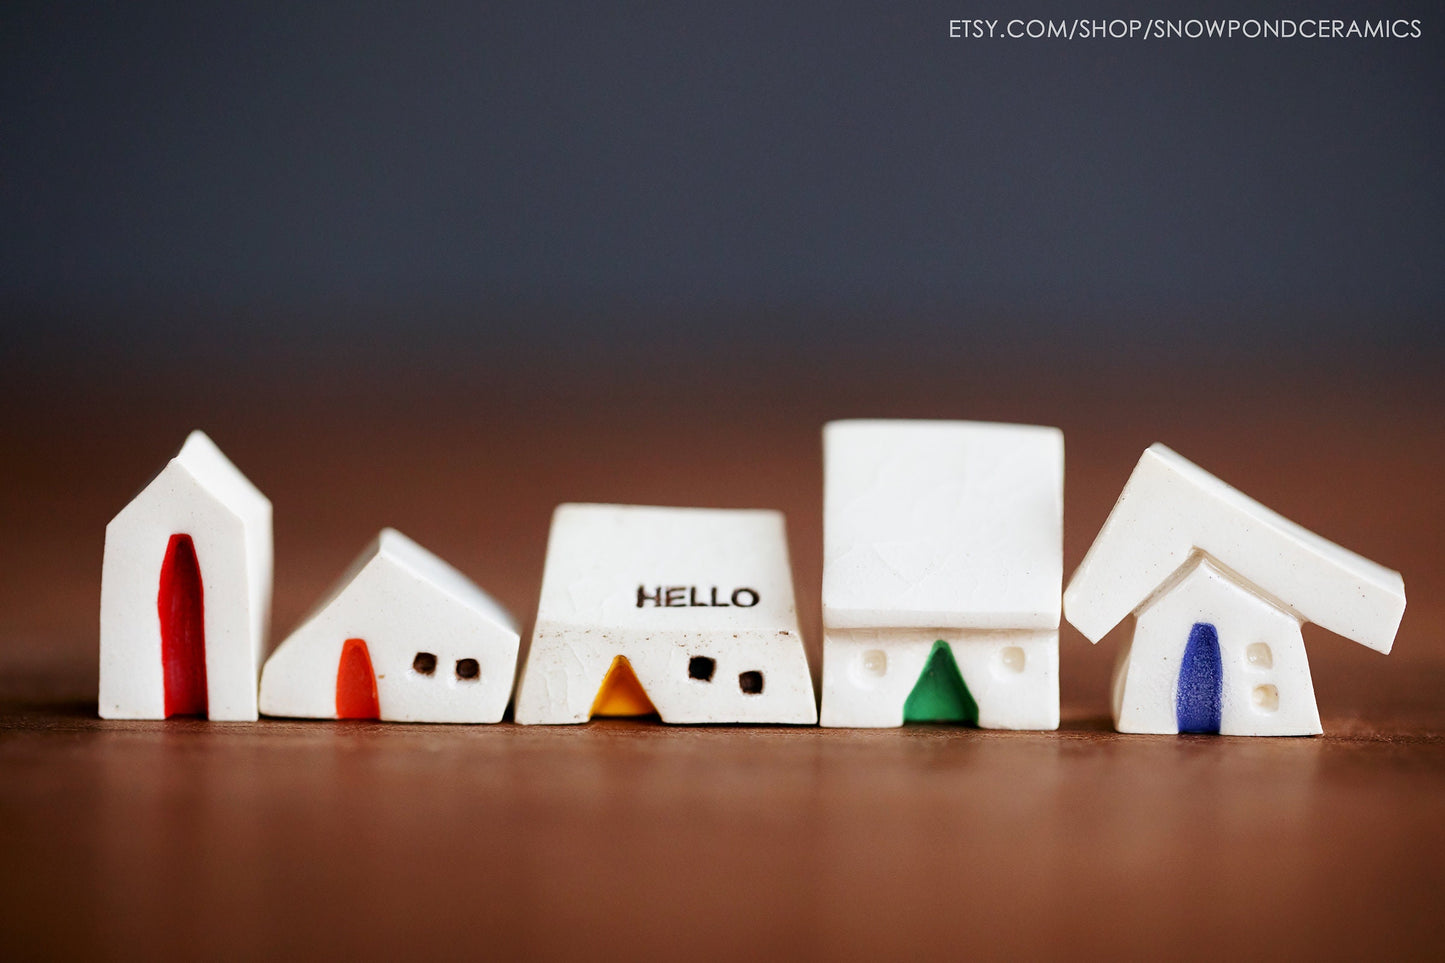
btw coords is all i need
(1261, 649)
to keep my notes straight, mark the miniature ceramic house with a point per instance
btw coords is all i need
(186, 593)
(402, 637)
(942, 562)
(684, 612)
(1219, 586)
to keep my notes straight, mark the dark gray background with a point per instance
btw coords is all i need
(184, 179)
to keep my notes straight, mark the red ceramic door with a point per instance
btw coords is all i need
(182, 607)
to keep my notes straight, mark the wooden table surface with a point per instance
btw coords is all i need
(186, 839)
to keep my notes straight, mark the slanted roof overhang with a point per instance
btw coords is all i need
(1171, 510)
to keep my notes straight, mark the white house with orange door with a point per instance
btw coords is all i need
(686, 613)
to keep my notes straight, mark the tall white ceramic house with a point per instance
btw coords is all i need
(942, 565)
(186, 593)
(401, 637)
(1219, 586)
(685, 612)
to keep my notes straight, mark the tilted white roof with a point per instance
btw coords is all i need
(942, 524)
(1171, 509)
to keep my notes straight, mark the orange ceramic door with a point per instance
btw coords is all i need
(181, 603)
(356, 683)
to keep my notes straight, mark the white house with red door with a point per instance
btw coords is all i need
(401, 637)
(186, 593)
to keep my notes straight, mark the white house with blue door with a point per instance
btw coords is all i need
(1219, 586)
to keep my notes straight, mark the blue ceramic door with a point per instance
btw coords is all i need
(1201, 681)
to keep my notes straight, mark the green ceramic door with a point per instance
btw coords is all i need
(940, 694)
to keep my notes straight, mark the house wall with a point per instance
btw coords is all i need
(132, 685)
(567, 663)
(1012, 675)
(1267, 686)
(399, 616)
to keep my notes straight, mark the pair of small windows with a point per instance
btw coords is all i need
(426, 664)
(702, 667)
(1264, 697)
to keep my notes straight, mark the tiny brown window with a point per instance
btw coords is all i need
(468, 669)
(701, 667)
(424, 664)
(751, 682)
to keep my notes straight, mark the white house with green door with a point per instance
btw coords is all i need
(942, 570)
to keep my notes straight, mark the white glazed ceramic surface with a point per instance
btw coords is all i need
(942, 523)
(1013, 676)
(662, 586)
(1182, 547)
(200, 494)
(1171, 508)
(402, 601)
(942, 530)
(1266, 676)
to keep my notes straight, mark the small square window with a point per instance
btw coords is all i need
(424, 664)
(1259, 656)
(468, 670)
(751, 682)
(701, 667)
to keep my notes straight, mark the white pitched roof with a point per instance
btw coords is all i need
(200, 457)
(1170, 508)
(402, 551)
(942, 524)
(202, 463)
(430, 568)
